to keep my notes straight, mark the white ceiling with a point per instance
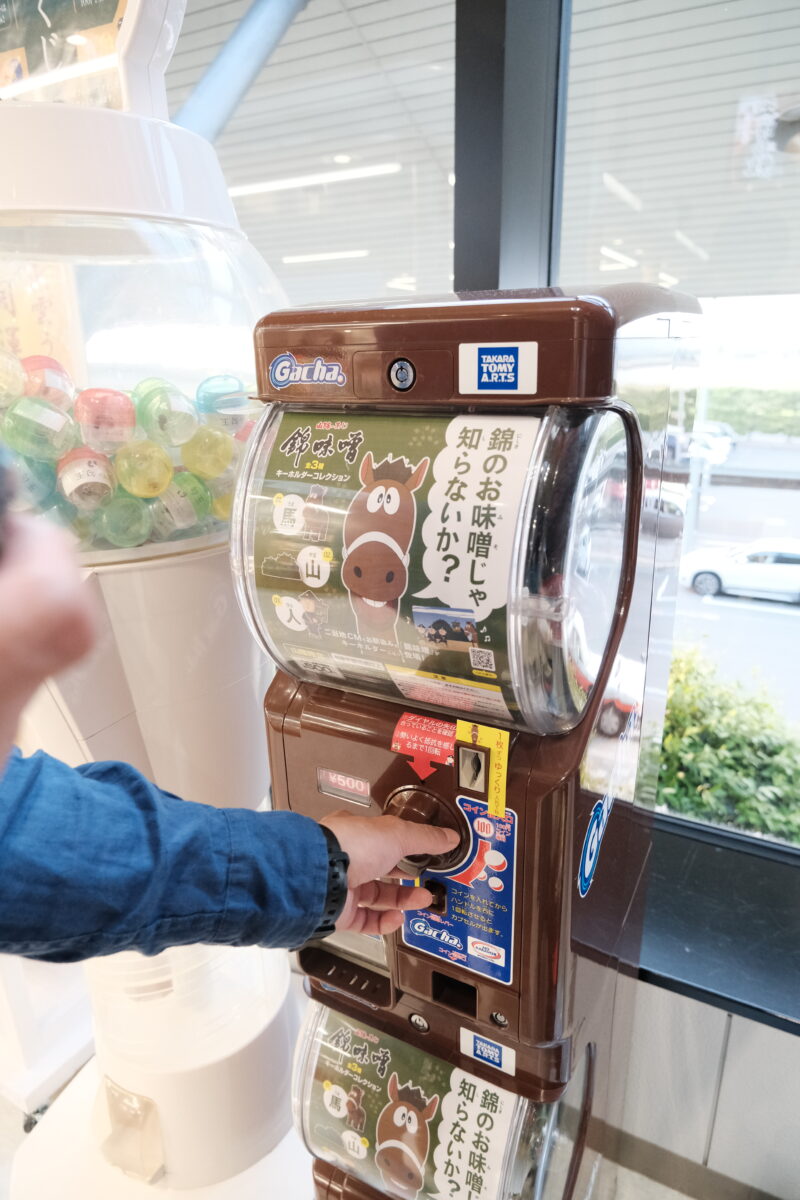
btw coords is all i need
(658, 95)
(369, 79)
(659, 92)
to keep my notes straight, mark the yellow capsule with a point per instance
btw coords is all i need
(222, 505)
(209, 453)
(144, 469)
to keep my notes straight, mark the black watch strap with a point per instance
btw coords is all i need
(338, 862)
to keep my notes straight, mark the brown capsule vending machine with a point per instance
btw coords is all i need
(440, 539)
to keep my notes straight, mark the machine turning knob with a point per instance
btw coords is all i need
(416, 804)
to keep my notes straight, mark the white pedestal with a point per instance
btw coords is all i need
(61, 1158)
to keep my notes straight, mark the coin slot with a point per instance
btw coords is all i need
(472, 769)
(439, 893)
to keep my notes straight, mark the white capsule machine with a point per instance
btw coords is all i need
(134, 290)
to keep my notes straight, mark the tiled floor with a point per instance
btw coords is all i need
(630, 1187)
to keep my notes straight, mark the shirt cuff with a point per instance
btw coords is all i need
(277, 879)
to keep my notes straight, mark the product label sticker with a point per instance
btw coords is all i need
(496, 742)
(406, 1123)
(485, 1050)
(385, 543)
(36, 413)
(426, 741)
(499, 368)
(476, 931)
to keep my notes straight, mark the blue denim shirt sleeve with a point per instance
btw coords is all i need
(96, 859)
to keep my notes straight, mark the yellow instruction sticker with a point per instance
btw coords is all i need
(496, 742)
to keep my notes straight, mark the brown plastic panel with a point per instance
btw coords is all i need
(575, 332)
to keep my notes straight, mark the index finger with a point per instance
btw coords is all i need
(413, 838)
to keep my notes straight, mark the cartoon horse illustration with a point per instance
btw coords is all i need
(356, 1113)
(378, 528)
(402, 1138)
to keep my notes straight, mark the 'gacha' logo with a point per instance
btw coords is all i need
(423, 928)
(286, 370)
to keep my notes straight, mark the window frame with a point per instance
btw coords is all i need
(510, 127)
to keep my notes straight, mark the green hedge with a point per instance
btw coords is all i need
(746, 410)
(727, 756)
(749, 410)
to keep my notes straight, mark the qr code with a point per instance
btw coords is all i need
(481, 660)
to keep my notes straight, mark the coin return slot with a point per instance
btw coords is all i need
(346, 976)
(455, 994)
(472, 769)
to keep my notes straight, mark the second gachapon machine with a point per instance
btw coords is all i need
(437, 537)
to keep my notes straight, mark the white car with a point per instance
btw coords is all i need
(768, 568)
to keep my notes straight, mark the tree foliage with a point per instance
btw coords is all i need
(727, 755)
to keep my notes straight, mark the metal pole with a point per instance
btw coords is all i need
(219, 91)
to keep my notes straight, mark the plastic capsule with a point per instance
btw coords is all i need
(144, 469)
(125, 521)
(107, 418)
(210, 453)
(38, 429)
(34, 483)
(184, 504)
(12, 379)
(45, 377)
(224, 403)
(165, 414)
(85, 478)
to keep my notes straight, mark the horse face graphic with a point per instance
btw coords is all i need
(402, 1139)
(378, 529)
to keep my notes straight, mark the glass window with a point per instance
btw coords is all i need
(682, 167)
(340, 156)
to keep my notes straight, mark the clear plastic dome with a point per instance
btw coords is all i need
(126, 374)
(468, 563)
(391, 1125)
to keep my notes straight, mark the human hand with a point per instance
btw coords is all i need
(375, 845)
(47, 619)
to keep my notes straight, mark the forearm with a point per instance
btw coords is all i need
(13, 700)
(99, 860)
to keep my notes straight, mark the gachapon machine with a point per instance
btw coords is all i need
(437, 536)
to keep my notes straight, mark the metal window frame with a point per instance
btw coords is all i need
(510, 108)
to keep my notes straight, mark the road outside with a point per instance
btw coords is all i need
(755, 643)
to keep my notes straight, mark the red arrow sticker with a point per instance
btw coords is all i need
(426, 741)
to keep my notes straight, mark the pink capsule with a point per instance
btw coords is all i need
(243, 434)
(85, 478)
(46, 378)
(107, 418)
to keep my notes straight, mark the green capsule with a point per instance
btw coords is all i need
(125, 521)
(37, 429)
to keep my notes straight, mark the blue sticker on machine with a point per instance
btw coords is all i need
(476, 930)
(498, 368)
